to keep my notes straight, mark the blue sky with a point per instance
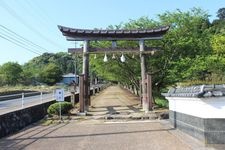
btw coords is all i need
(37, 20)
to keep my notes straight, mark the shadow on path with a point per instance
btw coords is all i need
(84, 135)
(114, 101)
(14, 142)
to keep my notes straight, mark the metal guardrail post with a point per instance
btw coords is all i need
(22, 100)
(72, 98)
(53, 94)
(97, 89)
(93, 90)
(41, 97)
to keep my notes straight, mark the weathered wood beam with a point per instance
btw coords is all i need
(149, 91)
(81, 93)
(115, 50)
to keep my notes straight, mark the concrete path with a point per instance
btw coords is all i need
(95, 134)
(114, 101)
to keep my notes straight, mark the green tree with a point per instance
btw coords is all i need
(202, 69)
(221, 13)
(51, 74)
(218, 44)
(217, 26)
(64, 60)
(27, 77)
(10, 73)
(188, 37)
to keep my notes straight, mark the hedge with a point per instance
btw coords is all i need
(54, 108)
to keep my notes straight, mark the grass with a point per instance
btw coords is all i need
(55, 120)
(22, 87)
(199, 82)
(46, 122)
(7, 90)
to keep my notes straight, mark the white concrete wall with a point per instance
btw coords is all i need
(213, 107)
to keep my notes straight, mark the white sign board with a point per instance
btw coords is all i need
(59, 95)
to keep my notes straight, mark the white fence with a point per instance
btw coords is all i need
(16, 101)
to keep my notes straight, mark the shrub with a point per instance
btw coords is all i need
(160, 100)
(162, 103)
(54, 108)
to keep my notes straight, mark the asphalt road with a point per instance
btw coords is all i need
(14, 104)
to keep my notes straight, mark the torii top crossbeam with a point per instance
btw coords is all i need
(73, 34)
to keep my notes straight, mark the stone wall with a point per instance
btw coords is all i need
(199, 111)
(191, 125)
(15, 121)
(207, 130)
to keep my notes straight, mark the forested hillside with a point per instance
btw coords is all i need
(47, 68)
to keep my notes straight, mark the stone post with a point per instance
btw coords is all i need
(86, 74)
(145, 102)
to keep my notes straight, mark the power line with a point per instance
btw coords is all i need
(22, 21)
(19, 42)
(19, 45)
(41, 17)
(41, 11)
(7, 30)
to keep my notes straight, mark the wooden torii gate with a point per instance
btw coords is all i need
(86, 35)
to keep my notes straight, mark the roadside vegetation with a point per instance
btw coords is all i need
(18, 89)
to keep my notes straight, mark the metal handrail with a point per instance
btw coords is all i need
(20, 94)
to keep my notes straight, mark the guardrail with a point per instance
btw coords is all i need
(14, 102)
(14, 96)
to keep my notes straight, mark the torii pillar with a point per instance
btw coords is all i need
(145, 99)
(86, 75)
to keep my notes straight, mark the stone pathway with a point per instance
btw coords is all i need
(114, 101)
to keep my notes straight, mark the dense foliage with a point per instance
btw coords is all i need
(10, 73)
(51, 74)
(192, 51)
